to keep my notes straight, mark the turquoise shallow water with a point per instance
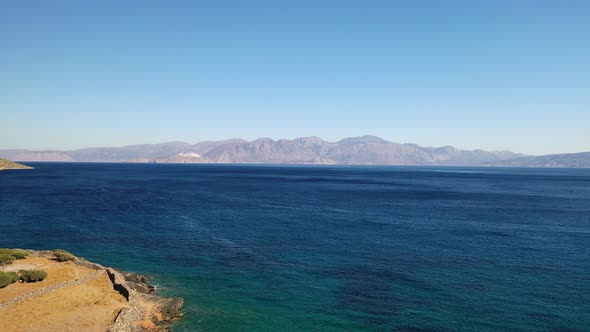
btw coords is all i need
(269, 248)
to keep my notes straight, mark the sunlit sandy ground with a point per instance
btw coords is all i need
(91, 305)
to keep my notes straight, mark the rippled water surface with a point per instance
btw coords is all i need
(269, 248)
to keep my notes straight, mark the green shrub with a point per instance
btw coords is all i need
(7, 278)
(6, 259)
(32, 275)
(13, 276)
(63, 255)
(18, 254)
(6, 254)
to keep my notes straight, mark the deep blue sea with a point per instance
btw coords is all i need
(317, 248)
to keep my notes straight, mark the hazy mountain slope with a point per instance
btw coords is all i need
(26, 155)
(203, 147)
(371, 150)
(264, 150)
(140, 152)
(448, 155)
(365, 150)
(566, 160)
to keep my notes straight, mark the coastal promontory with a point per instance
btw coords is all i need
(7, 164)
(56, 291)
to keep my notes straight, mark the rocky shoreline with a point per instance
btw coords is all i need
(8, 164)
(145, 310)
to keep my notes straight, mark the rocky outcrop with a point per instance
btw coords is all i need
(146, 311)
(7, 164)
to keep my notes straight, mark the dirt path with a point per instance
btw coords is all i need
(17, 267)
(72, 298)
(48, 289)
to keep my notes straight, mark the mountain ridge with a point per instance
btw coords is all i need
(362, 150)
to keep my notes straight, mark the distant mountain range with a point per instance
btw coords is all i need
(569, 160)
(365, 150)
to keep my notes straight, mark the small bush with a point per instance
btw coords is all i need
(7, 256)
(63, 256)
(18, 254)
(7, 278)
(32, 275)
(13, 276)
(6, 259)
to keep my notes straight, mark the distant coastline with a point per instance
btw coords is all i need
(365, 150)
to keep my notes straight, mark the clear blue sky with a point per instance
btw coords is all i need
(474, 74)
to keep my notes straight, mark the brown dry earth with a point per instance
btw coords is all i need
(82, 296)
(90, 305)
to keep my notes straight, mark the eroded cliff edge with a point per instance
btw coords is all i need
(127, 300)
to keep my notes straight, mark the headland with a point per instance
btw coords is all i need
(74, 294)
(8, 164)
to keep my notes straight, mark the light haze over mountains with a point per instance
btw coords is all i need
(490, 75)
(365, 150)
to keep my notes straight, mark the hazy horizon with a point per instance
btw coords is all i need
(473, 75)
(250, 140)
(275, 139)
